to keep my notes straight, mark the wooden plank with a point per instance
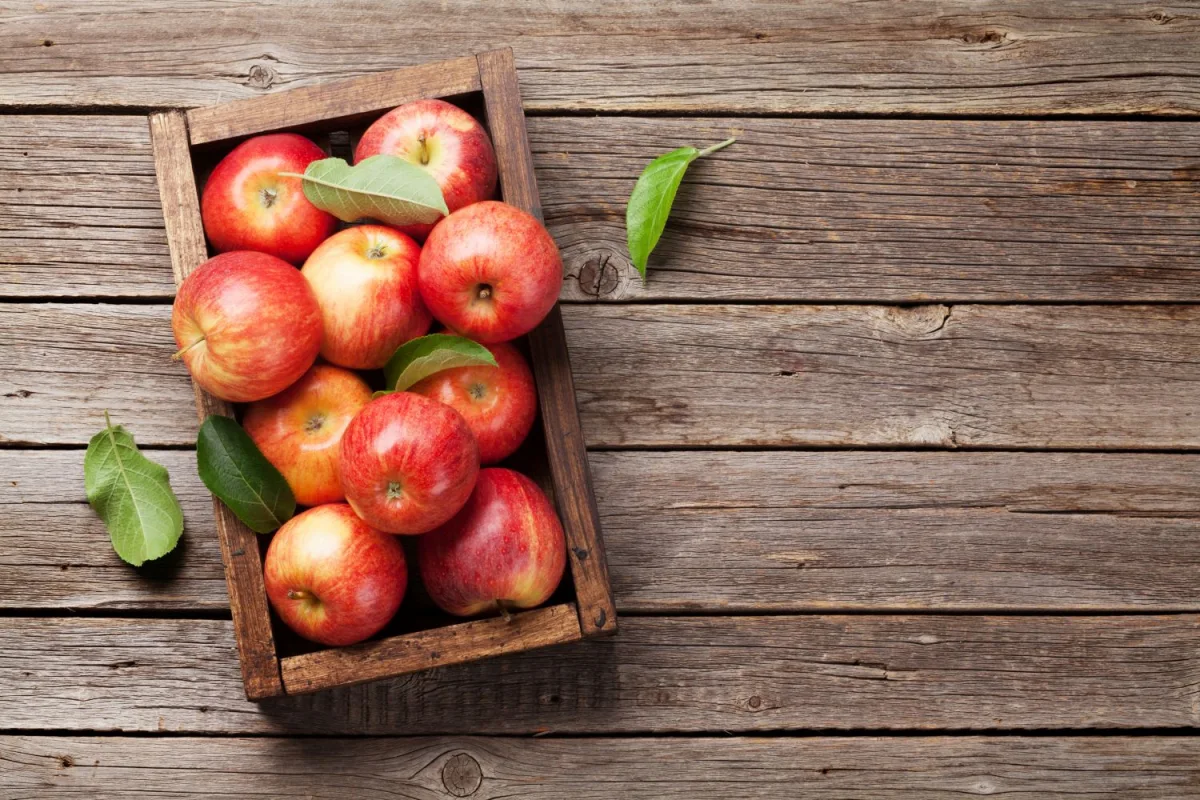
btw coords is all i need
(821, 768)
(661, 674)
(727, 531)
(806, 209)
(438, 647)
(239, 545)
(334, 103)
(565, 448)
(1088, 377)
(1009, 56)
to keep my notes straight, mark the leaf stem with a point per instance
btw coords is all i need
(179, 354)
(716, 147)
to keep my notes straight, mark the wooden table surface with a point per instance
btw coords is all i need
(896, 451)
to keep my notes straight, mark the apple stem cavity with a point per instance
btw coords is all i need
(179, 353)
(300, 594)
(502, 607)
(394, 491)
(268, 197)
(484, 292)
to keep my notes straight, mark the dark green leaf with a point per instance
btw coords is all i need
(652, 198)
(233, 469)
(382, 187)
(132, 495)
(416, 360)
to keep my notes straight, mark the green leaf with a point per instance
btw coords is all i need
(652, 198)
(416, 360)
(132, 495)
(382, 187)
(235, 470)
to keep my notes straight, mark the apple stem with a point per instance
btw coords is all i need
(179, 354)
(504, 612)
(299, 594)
(716, 147)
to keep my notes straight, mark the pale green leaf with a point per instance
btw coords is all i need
(416, 360)
(383, 187)
(236, 471)
(133, 496)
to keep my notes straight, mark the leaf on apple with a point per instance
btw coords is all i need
(652, 198)
(133, 496)
(416, 360)
(236, 471)
(383, 187)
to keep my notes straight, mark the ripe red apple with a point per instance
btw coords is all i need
(332, 577)
(365, 280)
(300, 430)
(408, 463)
(505, 549)
(247, 325)
(248, 205)
(490, 272)
(499, 403)
(442, 139)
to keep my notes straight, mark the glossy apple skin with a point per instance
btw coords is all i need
(505, 545)
(490, 272)
(408, 463)
(247, 325)
(446, 142)
(499, 403)
(247, 205)
(332, 578)
(365, 280)
(300, 430)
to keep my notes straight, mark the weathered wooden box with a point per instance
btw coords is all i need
(274, 661)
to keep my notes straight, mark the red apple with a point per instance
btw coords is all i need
(490, 272)
(247, 205)
(442, 139)
(505, 549)
(247, 325)
(408, 463)
(300, 430)
(332, 577)
(365, 280)
(499, 403)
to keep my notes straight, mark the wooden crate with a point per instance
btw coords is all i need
(185, 144)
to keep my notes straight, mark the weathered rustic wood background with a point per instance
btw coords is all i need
(896, 452)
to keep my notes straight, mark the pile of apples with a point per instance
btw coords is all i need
(288, 342)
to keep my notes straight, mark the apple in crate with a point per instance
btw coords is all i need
(247, 325)
(332, 578)
(248, 205)
(499, 403)
(365, 280)
(490, 272)
(504, 550)
(300, 430)
(442, 139)
(408, 463)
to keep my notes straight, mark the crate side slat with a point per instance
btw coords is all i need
(239, 545)
(551, 362)
(437, 647)
(332, 103)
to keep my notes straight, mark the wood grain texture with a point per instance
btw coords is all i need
(239, 545)
(660, 674)
(1010, 57)
(798, 210)
(723, 531)
(438, 647)
(820, 768)
(551, 361)
(661, 376)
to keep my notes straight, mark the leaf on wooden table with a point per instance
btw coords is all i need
(419, 358)
(652, 198)
(133, 496)
(383, 187)
(236, 471)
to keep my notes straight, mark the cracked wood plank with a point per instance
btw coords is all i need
(661, 674)
(667, 376)
(817, 210)
(644, 768)
(733, 532)
(925, 56)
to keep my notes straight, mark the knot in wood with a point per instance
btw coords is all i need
(917, 322)
(461, 775)
(598, 277)
(261, 76)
